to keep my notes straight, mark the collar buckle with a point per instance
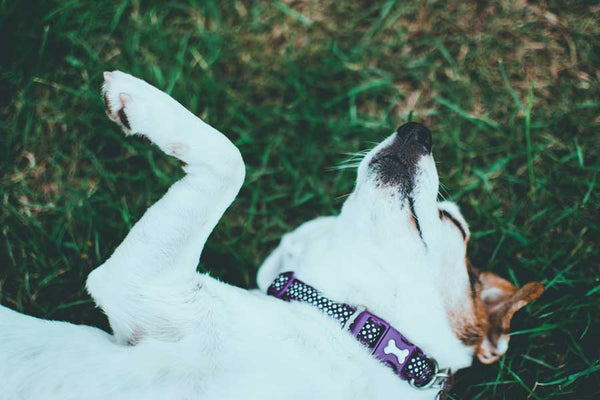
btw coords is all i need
(438, 379)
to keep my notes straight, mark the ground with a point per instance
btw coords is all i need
(510, 90)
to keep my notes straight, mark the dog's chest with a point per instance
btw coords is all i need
(292, 348)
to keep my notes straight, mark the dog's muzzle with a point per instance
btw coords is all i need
(396, 165)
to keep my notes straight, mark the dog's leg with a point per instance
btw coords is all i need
(149, 286)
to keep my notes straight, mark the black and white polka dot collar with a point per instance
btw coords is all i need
(385, 342)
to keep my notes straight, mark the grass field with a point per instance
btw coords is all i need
(510, 90)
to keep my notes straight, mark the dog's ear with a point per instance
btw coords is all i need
(500, 299)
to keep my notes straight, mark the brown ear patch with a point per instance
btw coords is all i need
(501, 299)
(501, 314)
(495, 300)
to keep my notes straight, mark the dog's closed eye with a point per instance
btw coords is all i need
(449, 211)
(446, 215)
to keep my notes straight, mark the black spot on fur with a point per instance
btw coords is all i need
(123, 118)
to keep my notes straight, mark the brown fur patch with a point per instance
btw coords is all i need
(107, 103)
(471, 324)
(471, 333)
(493, 302)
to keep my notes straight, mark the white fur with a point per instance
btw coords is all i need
(181, 335)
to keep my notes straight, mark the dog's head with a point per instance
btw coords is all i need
(403, 254)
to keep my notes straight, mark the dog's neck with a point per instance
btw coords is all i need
(401, 291)
(385, 342)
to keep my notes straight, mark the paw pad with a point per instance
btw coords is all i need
(177, 149)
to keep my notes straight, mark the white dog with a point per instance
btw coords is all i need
(394, 250)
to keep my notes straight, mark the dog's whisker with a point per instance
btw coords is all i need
(443, 188)
(343, 166)
(352, 161)
(343, 196)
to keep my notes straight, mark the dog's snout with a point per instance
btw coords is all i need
(413, 132)
(396, 164)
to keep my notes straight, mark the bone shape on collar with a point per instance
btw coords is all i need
(400, 354)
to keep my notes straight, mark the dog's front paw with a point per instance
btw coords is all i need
(118, 91)
(139, 107)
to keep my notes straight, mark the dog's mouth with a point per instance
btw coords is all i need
(397, 164)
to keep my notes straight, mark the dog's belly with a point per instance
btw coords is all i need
(57, 360)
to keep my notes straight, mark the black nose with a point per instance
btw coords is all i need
(413, 132)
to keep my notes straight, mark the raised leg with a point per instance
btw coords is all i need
(149, 286)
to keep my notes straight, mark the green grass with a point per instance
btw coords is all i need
(510, 90)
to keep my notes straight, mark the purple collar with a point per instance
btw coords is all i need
(385, 342)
